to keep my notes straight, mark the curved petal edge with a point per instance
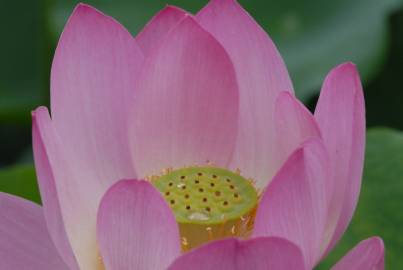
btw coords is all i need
(41, 127)
(340, 113)
(186, 110)
(261, 75)
(232, 254)
(368, 254)
(295, 204)
(136, 229)
(25, 241)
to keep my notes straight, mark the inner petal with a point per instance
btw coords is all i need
(209, 203)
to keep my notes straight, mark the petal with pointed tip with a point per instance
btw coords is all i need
(294, 205)
(136, 228)
(186, 110)
(340, 114)
(294, 124)
(93, 76)
(231, 254)
(261, 74)
(47, 185)
(92, 80)
(77, 199)
(157, 28)
(367, 255)
(25, 242)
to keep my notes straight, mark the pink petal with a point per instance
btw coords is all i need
(186, 110)
(92, 80)
(24, 240)
(93, 76)
(261, 74)
(78, 200)
(231, 254)
(340, 114)
(295, 204)
(367, 255)
(136, 229)
(157, 28)
(46, 181)
(294, 124)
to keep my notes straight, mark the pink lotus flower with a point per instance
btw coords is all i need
(185, 90)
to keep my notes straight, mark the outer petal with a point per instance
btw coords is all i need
(92, 80)
(158, 27)
(25, 242)
(186, 110)
(261, 74)
(231, 254)
(136, 228)
(46, 181)
(294, 124)
(294, 206)
(367, 255)
(78, 200)
(340, 114)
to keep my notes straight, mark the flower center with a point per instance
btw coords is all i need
(209, 203)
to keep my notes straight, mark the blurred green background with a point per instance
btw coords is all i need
(312, 35)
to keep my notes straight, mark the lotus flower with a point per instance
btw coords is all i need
(251, 179)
